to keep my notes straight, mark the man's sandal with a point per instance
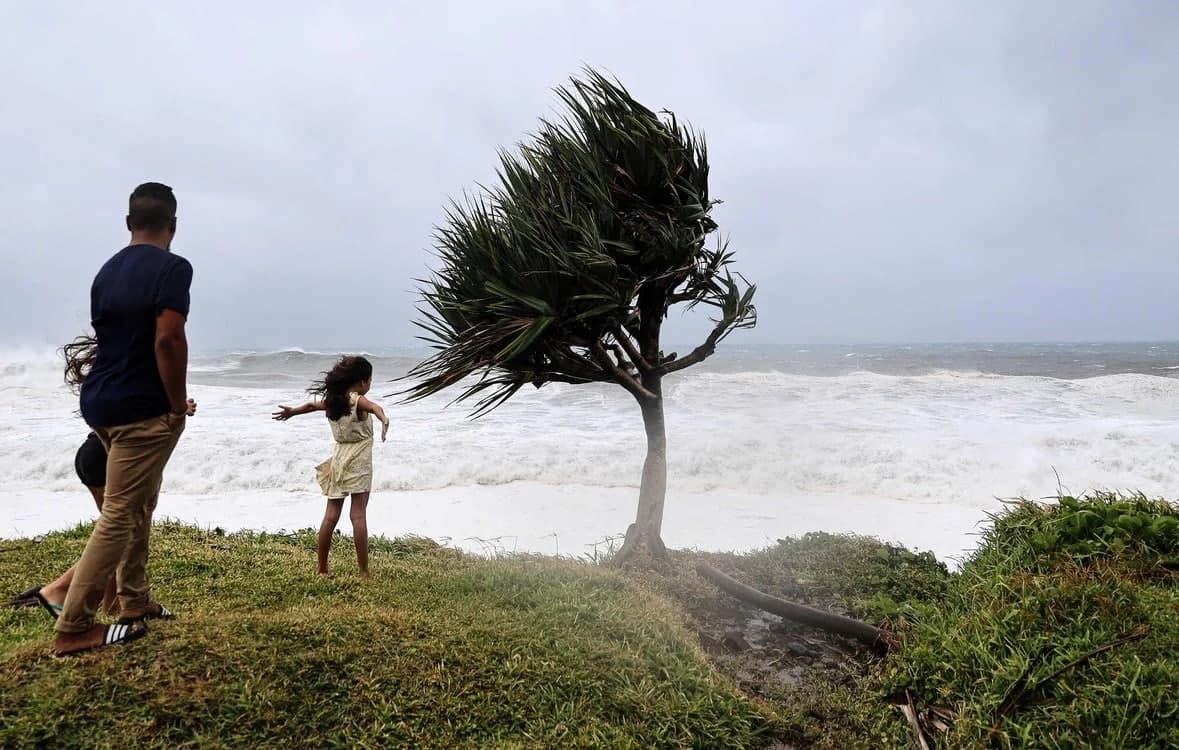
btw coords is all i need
(111, 635)
(163, 614)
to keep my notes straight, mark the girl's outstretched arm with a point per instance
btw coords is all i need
(286, 412)
(364, 404)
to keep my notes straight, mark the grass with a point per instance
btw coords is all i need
(827, 701)
(1009, 657)
(1060, 631)
(861, 575)
(437, 650)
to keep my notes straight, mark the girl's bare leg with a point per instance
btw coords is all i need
(55, 591)
(357, 513)
(331, 516)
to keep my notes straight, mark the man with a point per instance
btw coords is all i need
(135, 400)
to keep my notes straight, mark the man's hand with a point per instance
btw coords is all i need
(191, 410)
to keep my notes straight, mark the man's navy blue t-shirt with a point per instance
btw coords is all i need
(128, 294)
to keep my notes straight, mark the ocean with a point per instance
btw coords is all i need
(915, 444)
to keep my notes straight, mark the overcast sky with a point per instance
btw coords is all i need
(891, 171)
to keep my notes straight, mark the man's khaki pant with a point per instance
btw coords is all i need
(136, 456)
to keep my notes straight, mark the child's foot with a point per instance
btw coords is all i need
(50, 606)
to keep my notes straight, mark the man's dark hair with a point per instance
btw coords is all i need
(151, 207)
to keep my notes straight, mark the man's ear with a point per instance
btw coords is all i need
(172, 225)
(128, 222)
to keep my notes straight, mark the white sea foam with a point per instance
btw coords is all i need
(761, 449)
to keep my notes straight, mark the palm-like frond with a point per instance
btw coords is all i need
(540, 275)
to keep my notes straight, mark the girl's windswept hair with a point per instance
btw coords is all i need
(79, 358)
(333, 389)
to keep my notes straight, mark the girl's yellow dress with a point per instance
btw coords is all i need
(350, 469)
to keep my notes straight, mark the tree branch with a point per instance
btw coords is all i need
(620, 358)
(1024, 687)
(632, 351)
(623, 378)
(573, 365)
(910, 713)
(832, 623)
(700, 353)
(556, 377)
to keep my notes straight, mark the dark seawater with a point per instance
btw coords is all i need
(1069, 361)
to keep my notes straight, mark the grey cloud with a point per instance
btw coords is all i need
(896, 170)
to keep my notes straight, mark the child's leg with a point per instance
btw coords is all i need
(55, 591)
(357, 514)
(331, 516)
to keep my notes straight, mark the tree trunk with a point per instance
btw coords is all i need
(643, 538)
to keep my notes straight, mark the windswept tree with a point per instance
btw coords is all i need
(566, 270)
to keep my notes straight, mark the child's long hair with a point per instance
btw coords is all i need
(333, 389)
(79, 358)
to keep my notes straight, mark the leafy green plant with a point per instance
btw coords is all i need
(1059, 632)
(1131, 528)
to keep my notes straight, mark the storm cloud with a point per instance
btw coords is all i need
(891, 171)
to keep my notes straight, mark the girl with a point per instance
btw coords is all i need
(349, 471)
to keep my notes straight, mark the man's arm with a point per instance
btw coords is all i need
(172, 358)
(171, 342)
